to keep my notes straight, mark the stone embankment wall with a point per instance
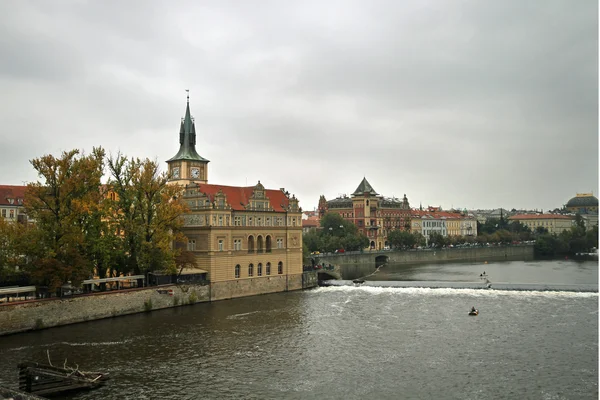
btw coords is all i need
(493, 253)
(30, 315)
(39, 314)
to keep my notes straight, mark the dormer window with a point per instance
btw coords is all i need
(11, 201)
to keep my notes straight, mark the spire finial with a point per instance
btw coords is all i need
(188, 95)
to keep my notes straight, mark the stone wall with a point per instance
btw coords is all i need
(255, 286)
(493, 253)
(25, 316)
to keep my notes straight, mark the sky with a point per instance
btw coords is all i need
(468, 104)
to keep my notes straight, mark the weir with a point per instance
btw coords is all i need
(586, 288)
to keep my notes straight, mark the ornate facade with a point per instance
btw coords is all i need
(248, 239)
(373, 214)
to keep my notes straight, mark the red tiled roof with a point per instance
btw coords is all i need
(12, 192)
(310, 223)
(540, 216)
(239, 197)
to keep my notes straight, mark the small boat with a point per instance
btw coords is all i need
(476, 312)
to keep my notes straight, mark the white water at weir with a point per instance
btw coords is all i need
(420, 291)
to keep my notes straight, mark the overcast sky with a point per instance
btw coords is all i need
(476, 104)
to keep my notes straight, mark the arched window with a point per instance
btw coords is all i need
(259, 270)
(268, 268)
(280, 268)
(250, 244)
(251, 270)
(268, 245)
(237, 271)
(259, 244)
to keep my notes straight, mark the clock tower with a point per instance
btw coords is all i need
(187, 165)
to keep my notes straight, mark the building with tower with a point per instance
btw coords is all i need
(247, 239)
(373, 214)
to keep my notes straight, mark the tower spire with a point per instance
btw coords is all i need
(187, 137)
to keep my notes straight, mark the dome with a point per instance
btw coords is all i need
(583, 200)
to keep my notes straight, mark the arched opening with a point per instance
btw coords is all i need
(259, 270)
(268, 268)
(259, 244)
(237, 271)
(251, 269)
(250, 244)
(372, 244)
(268, 243)
(280, 268)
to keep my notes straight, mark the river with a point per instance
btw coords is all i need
(348, 342)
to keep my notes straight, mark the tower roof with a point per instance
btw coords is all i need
(364, 187)
(187, 139)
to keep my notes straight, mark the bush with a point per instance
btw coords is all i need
(148, 305)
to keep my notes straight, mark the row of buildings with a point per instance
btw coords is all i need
(376, 215)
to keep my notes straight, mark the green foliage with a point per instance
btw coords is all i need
(39, 324)
(193, 297)
(176, 300)
(402, 239)
(335, 233)
(569, 242)
(148, 305)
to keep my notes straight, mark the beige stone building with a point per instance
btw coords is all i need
(554, 223)
(247, 239)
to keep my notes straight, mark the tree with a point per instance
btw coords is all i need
(312, 240)
(64, 205)
(147, 211)
(402, 239)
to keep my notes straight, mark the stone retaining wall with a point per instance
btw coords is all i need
(25, 316)
(493, 253)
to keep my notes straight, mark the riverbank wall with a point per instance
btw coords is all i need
(40, 314)
(431, 256)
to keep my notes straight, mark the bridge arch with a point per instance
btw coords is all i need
(382, 259)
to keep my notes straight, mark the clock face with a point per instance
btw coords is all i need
(175, 172)
(195, 172)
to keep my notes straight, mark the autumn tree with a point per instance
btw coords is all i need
(146, 211)
(64, 205)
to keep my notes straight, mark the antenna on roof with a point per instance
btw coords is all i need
(188, 95)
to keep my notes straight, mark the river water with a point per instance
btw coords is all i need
(348, 342)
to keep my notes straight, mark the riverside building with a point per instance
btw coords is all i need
(373, 214)
(247, 239)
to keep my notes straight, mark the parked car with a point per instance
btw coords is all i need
(340, 251)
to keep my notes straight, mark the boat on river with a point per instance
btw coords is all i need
(474, 312)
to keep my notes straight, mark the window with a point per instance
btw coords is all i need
(268, 268)
(237, 244)
(237, 271)
(259, 270)
(280, 243)
(268, 244)
(280, 268)
(191, 245)
(259, 244)
(250, 244)
(221, 245)
(220, 220)
(12, 214)
(251, 270)
(3, 213)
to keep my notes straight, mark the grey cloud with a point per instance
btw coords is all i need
(465, 103)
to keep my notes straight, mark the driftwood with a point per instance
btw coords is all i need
(48, 380)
